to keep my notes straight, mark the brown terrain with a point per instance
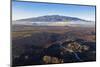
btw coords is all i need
(32, 45)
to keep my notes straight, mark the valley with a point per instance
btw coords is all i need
(34, 45)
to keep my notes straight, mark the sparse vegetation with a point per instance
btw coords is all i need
(51, 45)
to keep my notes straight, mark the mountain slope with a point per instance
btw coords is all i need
(52, 20)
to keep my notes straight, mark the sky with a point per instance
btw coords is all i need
(22, 10)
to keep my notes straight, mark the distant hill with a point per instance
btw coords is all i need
(52, 20)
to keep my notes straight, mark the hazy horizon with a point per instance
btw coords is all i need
(22, 10)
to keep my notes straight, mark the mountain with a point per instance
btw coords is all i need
(52, 20)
